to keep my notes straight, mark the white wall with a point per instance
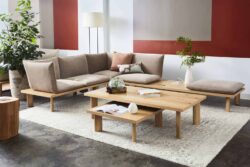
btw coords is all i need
(169, 19)
(121, 25)
(83, 37)
(3, 9)
(47, 24)
(12, 4)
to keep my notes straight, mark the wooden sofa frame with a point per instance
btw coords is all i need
(2, 85)
(30, 93)
(169, 86)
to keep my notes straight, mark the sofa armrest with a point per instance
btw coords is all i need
(41, 76)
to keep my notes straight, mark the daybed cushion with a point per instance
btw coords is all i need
(41, 76)
(97, 62)
(66, 85)
(108, 73)
(90, 79)
(151, 63)
(140, 78)
(71, 66)
(216, 86)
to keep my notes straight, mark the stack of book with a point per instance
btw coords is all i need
(149, 92)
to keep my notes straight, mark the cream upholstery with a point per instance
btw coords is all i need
(140, 78)
(108, 73)
(89, 79)
(215, 86)
(151, 63)
(55, 62)
(71, 66)
(97, 62)
(41, 75)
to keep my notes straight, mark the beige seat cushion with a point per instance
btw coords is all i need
(67, 85)
(108, 73)
(151, 63)
(97, 62)
(71, 66)
(55, 62)
(215, 86)
(140, 78)
(89, 79)
(41, 76)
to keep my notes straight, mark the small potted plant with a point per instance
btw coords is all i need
(189, 57)
(116, 85)
(18, 43)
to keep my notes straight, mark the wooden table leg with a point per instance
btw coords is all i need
(196, 115)
(133, 132)
(178, 125)
(158, 119)
(52, 104)
(93, 103)
(228, 104)
(237, 100)
(30, 100)
(98, 123)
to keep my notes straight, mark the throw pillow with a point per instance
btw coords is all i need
(130, 68)
(120, 58)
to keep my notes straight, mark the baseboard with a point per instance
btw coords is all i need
(245, 96)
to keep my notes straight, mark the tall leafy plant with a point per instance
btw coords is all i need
(189, 57)
(18, 40)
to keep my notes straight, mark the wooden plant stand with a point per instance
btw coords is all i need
(9, 117)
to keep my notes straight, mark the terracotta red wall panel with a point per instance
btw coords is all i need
(66, 24)
(230, 33)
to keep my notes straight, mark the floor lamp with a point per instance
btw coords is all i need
(93, 20)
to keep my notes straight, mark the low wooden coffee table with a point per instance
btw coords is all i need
(174, 101)
(143, 114)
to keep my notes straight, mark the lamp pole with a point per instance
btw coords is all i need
(89, 41)
(97, 44)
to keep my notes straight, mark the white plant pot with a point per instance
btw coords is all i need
(18, 82)
(189, 76)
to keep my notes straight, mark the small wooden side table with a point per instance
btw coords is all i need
(9, 117)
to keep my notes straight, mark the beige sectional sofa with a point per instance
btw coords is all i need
(62, 75)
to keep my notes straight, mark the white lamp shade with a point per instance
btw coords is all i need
(92, 19)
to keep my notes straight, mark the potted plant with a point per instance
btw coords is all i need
(18, 43)
(189, 58)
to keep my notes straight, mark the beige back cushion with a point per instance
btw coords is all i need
(71, 66)
(49, 53)
(151, 63)
(41, 76)
(97, 62)
(55, 62)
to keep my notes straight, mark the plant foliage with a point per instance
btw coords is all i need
(189, 57)
(18, 38)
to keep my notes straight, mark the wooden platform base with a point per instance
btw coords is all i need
(30, 93)
(176, 86)
(4, 85)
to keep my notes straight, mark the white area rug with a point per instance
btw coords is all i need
(199, 145)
